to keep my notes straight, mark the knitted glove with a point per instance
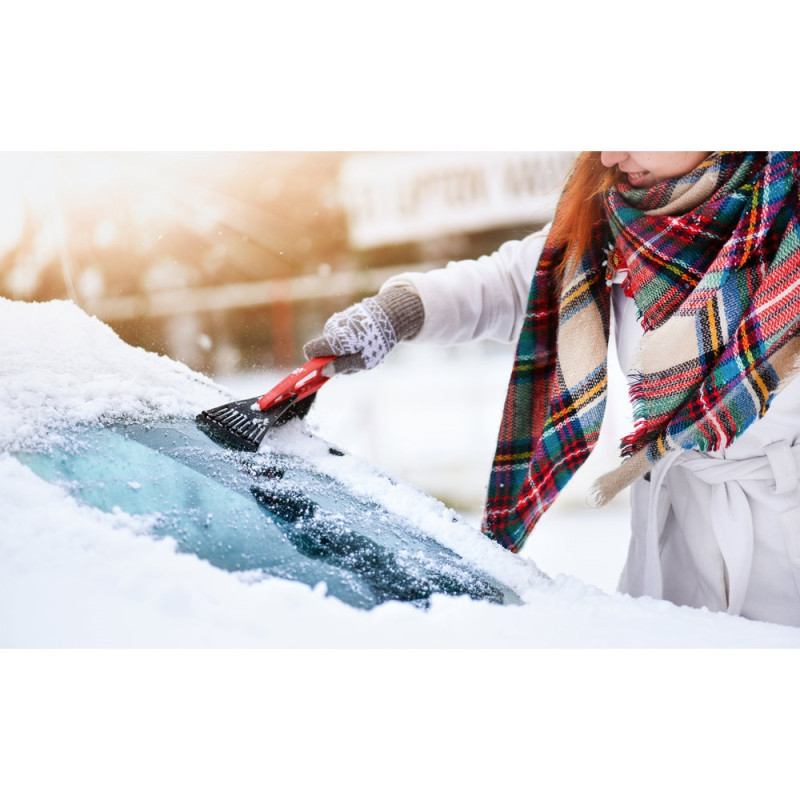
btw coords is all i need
(364, 334)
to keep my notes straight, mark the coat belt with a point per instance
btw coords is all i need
(732, 518)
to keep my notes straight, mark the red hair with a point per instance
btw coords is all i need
(580, 207)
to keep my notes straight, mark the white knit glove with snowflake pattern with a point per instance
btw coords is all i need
(364, 334)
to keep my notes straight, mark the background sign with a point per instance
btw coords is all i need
(400, 197)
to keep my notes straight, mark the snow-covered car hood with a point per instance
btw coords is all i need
(78, 569)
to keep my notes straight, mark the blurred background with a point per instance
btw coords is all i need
(231, 261)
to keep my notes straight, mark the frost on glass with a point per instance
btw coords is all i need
(264, 512)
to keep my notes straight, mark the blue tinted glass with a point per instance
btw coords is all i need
(268, 512)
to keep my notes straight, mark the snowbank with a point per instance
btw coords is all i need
(61, 367)
(73, 576)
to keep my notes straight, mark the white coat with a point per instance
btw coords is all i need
(719, 530)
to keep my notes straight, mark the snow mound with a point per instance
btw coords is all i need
(61, 367)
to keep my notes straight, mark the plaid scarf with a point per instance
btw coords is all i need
(714, 269)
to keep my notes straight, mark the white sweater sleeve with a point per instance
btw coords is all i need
(481, 299)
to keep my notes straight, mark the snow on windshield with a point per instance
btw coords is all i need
(62, 367)
(74, 576)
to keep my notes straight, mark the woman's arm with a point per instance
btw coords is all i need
(466, 300)
(484, 298)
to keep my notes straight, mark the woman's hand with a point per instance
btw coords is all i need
(364, 334)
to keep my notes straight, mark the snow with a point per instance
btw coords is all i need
(73, 576)
(61, 367)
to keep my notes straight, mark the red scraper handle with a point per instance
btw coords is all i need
(299, 384)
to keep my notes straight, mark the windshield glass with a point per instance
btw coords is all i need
(269, 513)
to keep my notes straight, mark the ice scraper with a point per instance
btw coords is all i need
(242, 424)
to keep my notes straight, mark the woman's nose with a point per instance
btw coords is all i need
(609, 159)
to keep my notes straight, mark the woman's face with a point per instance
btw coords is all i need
(645, 169)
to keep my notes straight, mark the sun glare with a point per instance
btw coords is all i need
(56, 205)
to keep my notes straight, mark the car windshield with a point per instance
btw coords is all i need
(270, 514)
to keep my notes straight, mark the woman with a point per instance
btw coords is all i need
(695, 257)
